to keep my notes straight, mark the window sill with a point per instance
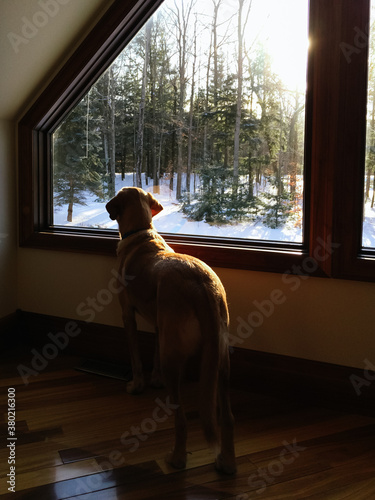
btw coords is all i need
(261, 256)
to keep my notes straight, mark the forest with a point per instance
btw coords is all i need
(195, 100)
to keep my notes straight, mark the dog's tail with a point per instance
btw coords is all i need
(213, 352)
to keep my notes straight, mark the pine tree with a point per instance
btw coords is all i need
(77, 166)
(276, 204)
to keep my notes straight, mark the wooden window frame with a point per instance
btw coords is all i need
(339, 136)
(331, 111)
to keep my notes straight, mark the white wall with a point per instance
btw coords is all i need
(325, 320)
(36, 38)
(8, 220)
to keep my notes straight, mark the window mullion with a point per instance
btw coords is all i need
(351, 147)
(324, 84)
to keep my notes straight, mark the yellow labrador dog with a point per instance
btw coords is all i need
(186, 302)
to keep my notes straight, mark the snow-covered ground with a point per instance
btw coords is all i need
(368, 236)
(172, 220)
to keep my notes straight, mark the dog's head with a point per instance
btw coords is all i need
(133, 209)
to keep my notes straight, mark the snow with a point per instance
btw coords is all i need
(368, 236)
(171, 220)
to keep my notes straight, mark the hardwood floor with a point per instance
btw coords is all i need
(81, 436)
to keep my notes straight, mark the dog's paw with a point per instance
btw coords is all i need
(176, 460)
(225, 466)
(135, 387)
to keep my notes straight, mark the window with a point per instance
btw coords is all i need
(332, 159)
(219, 138)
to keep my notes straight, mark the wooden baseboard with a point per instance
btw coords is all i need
(83, 339)
(304, 380)
(259, 372)
(8, 331)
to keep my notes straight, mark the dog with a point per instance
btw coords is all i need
(186, 302)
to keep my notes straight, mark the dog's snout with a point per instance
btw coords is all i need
(112, 209)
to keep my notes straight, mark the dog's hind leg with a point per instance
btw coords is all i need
(171, 369)
(225, 461)
(156, 376)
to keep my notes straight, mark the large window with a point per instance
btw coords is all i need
(259, 147)
(205, 107)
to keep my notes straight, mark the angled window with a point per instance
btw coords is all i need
(205, 106)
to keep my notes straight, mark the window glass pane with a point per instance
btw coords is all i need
(368, 234)
(205, 107)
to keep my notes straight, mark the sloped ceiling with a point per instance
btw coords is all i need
(36, 39)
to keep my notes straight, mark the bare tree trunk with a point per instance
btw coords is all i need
(182, 69)
(123, 161)
(87, 124)
(179, 161)
(215, 47)
(141, 119)
(182, 19)
(160, 126)
(69, 217)
(240, 29)
(153, 76)
(191, 111)
(106, 154)
(205, 130)
(174, 134)
(215, 150)
(157, 172)
(293, 145)
(112, 135)
(70, 213)
(236, 151)
(107, 132)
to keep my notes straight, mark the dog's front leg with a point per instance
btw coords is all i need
(136, 386)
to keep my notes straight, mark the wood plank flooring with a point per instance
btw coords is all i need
(80, 436)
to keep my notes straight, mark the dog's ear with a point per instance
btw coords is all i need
(113, 208)
(155, 206)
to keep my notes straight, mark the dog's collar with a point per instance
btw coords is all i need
(130, 233)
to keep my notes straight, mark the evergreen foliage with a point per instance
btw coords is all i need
(276, 204)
